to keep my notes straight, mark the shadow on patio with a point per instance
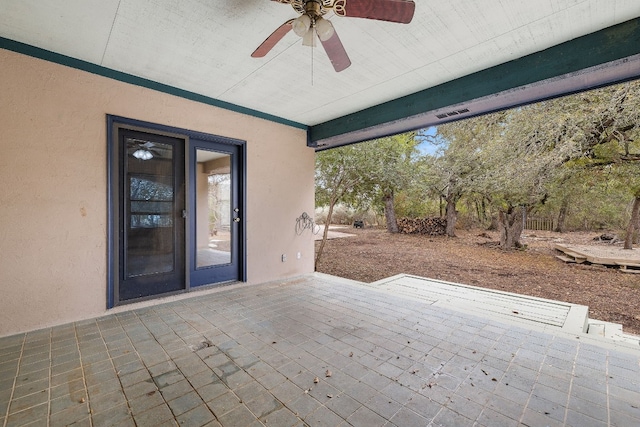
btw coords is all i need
(318, 350)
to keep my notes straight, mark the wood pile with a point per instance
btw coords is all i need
(428, 226)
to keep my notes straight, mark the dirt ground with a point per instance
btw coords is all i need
(473, 258)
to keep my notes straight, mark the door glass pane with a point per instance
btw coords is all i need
(150, 208)
(213, 208)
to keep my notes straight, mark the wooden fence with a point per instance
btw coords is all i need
(542, 224)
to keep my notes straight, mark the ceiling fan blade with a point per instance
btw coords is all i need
(272, 40)
(400, 11)
(336, 53)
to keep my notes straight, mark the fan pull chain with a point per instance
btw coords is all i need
(312, 49)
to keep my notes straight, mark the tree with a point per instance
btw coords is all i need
(608, 136)
(524, 151)
(501, 158)
(387, 166)
(340, 178)
(394, 170)
(457, 164)
(364, 175)
(521, 162)
(633, 222)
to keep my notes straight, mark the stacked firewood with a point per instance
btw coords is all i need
(429, 226)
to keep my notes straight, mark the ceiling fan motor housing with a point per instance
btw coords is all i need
(313, 8)
(300, 6)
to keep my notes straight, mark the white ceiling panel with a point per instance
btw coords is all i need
(204, 46)
(75, 28)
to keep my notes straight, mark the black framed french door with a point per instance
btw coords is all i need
(176, 199)
(152, 215)
(216, 221)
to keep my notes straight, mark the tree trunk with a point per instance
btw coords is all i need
(562, 216)
(493, 225)
(452, 215)
(390, 213)
(480, 212)
(325, 234)
(484, 212)
(633, 222)
(510, 225)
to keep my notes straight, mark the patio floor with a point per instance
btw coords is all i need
(318, 351)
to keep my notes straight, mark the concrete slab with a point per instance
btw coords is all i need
(501, 305)
(335, 232)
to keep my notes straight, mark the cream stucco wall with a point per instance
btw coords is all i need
(53, 187)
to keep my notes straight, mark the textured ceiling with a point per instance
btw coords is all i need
(204, 46)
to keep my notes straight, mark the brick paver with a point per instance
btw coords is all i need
(315, 351)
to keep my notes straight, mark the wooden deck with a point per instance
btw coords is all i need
(614, 256)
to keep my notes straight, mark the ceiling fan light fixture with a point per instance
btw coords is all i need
(309, 39)
(301, 25)
(142, 154)
(324, 29)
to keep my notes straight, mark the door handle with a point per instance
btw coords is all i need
(184, 213)
(236, 219)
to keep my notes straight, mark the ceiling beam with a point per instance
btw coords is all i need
(607, 56)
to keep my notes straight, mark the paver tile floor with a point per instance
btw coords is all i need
(315, 351)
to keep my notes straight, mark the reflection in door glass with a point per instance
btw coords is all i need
(149, 208)
(213, 208)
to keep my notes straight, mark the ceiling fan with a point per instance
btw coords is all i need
(143, 150)
(311, 23)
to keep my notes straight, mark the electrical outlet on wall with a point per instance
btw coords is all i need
(298, 255)
(284, 257)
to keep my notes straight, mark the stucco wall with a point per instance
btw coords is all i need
(53, 187)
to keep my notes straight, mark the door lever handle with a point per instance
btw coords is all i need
(236, 219)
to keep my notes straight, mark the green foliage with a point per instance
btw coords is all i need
(542, 155)
(359, 175)
(598, 201)
(412, 203)
(341, 175)
(579, 154)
